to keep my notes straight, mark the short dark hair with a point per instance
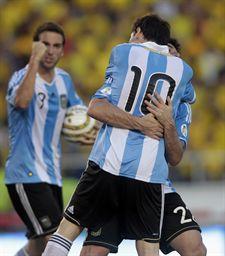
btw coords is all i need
(153, 28)
(175, 44)
(49, 26)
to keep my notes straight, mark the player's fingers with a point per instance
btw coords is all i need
(153, 99)
(169, 101)
(159, 98)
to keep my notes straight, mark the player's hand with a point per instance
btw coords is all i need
(38, 50)
(151, 127)
(161, 111)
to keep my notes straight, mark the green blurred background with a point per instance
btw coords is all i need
(92, 28)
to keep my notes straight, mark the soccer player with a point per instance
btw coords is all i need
(123, 177)
(180, 231)
(38, 97)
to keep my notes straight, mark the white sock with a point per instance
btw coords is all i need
(57, 245)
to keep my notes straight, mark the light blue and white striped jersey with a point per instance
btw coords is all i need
(34, 133)
(182, 121)
(135, 70)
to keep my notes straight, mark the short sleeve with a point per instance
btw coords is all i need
(189, 94)
(106, 89)
(183, 121)
(13, 85)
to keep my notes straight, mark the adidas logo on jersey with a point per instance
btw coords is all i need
(71, 209)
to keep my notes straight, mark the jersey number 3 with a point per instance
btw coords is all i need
(153, 79)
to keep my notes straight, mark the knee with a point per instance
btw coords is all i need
(198, 249)
(92, 250)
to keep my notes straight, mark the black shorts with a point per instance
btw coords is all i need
(173, 225)
(101, 196)
(39, 205)
(177, 219)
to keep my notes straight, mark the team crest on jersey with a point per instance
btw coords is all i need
(106, 91)
(184, 130)
(63, 100)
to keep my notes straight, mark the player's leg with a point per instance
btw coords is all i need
(91, 206)
(94, 250)
(147, 249)
(142, 209)
(180, 231)
(40, 210)
(189, 243)
(102, 241)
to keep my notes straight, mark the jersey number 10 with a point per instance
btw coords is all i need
(154, 78)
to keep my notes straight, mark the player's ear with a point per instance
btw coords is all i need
(139, 34)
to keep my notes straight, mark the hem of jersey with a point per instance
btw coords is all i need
(30, 182)
(131, 177)
(195, 227)
(112, 248)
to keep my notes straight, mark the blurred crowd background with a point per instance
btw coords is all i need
(92, 28)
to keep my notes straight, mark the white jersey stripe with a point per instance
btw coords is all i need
(173, 65)
(112, 162)
(55, 139)
(38, 137)
(147, 160)
(137, 57)
(25, 202)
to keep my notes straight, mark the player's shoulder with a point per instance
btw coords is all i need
(184, 107)
(62, 72)
(188, 69)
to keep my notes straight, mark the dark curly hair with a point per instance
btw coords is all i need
(153, 28)
(49, 26)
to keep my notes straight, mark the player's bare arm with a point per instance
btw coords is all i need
(163, 113)
(105, 112)
(26, 90)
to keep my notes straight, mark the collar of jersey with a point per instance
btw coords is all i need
(162, 49)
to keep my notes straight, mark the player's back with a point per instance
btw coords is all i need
(140, 70)
(134, 71)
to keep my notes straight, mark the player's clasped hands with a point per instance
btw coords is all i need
(151, 127)
(161, 111)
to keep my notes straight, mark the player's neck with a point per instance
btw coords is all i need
(46, 74)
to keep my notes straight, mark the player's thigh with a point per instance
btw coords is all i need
(141, 209)
(177, 220)
(104, 239)
(95, 199)
(187, 242)
(37, 206)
